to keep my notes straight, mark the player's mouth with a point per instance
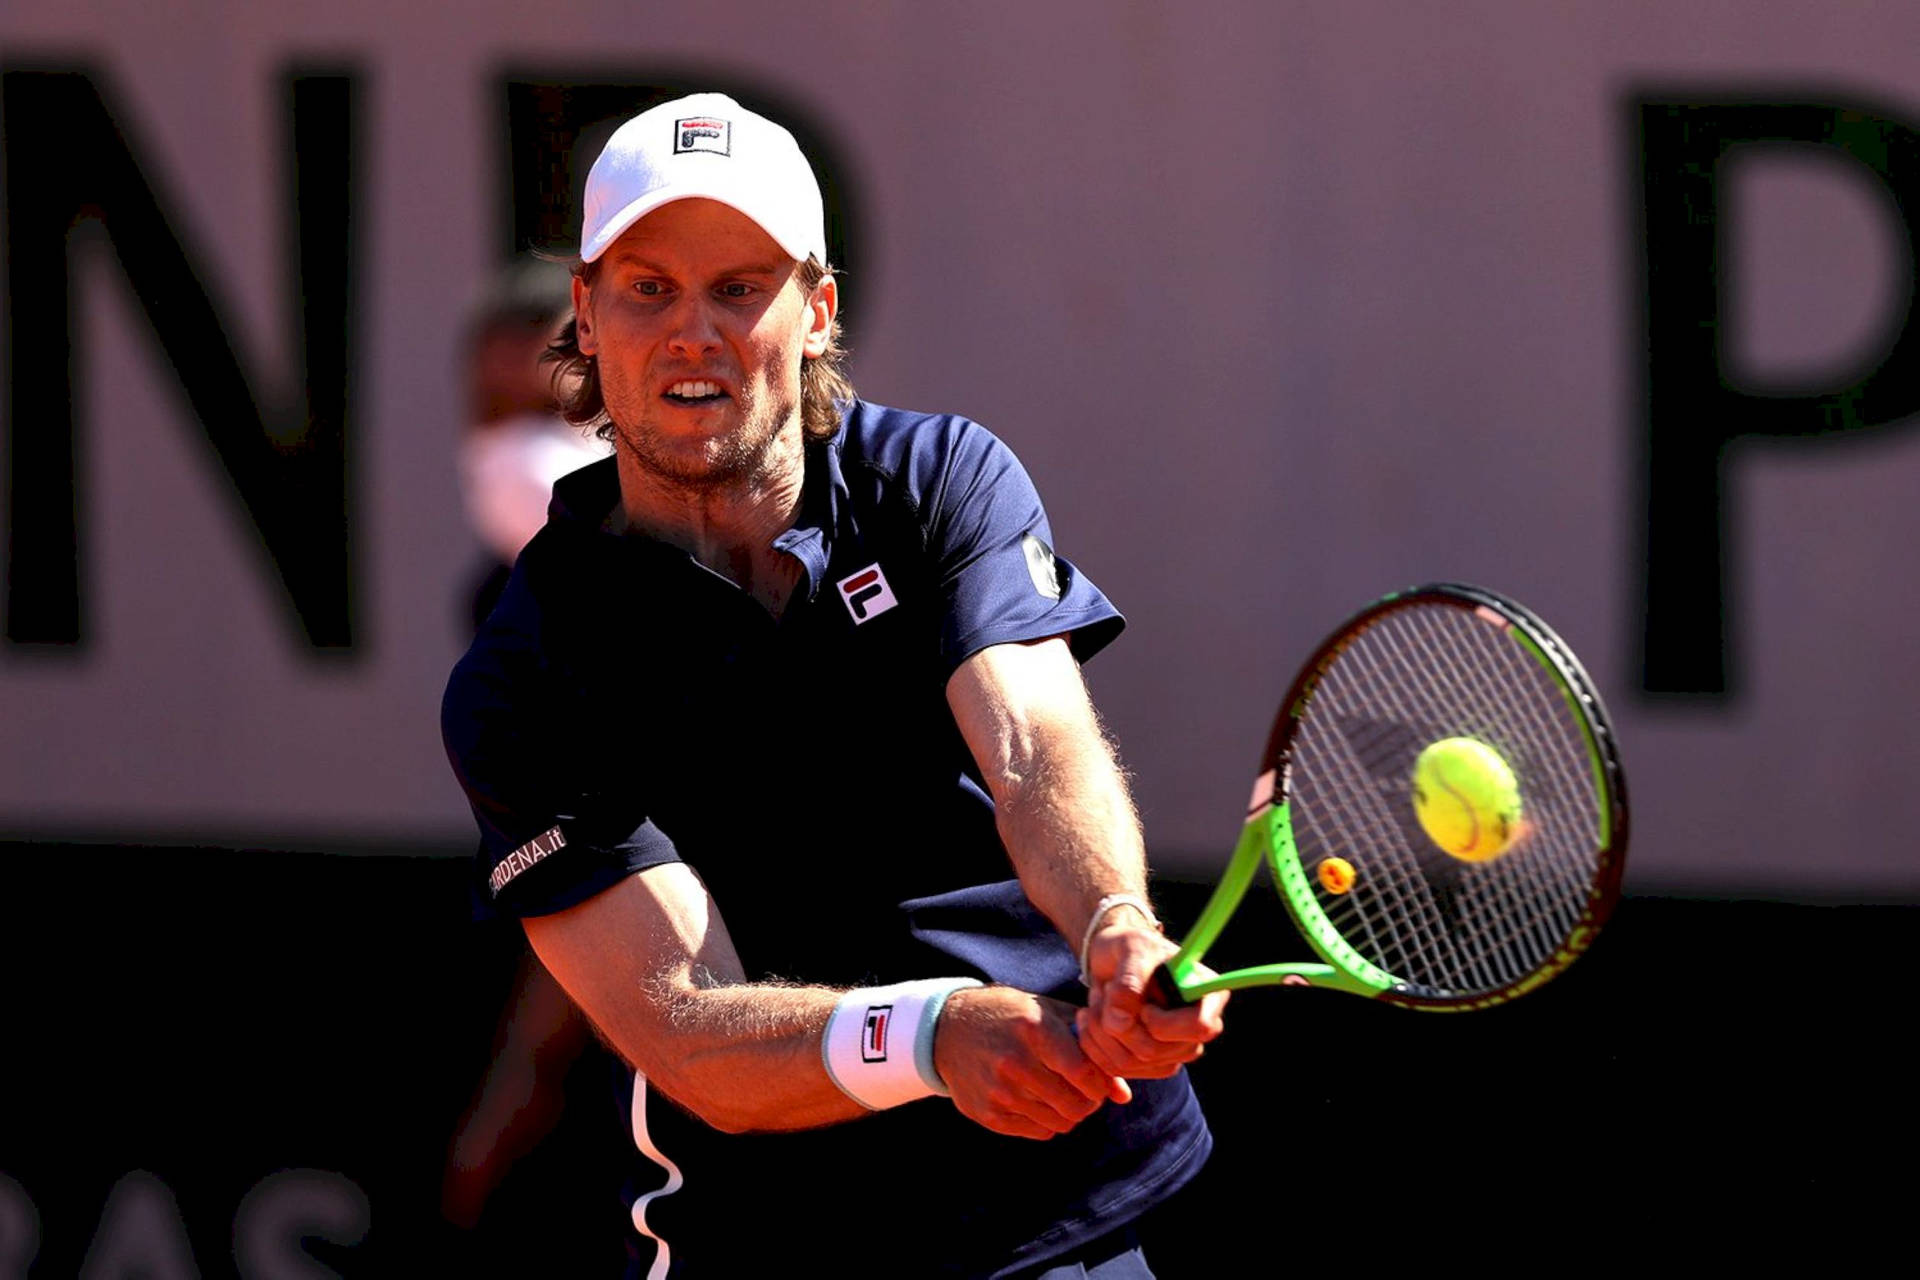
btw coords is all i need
(695, 392)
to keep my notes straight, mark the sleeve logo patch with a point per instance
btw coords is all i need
(703, 133)
(525, 856)
(873, 1033)
(866, 594)
(1041, 566)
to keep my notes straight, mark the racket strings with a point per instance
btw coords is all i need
(1546, 908)
(1403, 914)
(1359, 824)
(1414, 676)
(1395, 926)
(1407, 915)
(1519, 917)
(1519, 904)
(1495, 899)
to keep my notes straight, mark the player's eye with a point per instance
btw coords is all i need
(649, 288)
(736, 289)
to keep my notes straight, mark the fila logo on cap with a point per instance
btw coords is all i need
(703, 133)
(867, 594)
(873, 1033)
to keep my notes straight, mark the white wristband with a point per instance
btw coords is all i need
(1100, 910)
(878, 1046)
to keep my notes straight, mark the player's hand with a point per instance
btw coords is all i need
(1123, 1032)
(1013, 1064)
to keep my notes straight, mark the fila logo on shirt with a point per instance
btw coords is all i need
(873, 1033)
(867, 594)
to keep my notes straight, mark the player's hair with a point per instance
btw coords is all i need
(824, 384)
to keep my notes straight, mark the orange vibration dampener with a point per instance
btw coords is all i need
(1336, 875)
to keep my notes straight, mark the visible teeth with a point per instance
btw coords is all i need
(694, 390)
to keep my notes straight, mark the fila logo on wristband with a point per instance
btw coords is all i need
(866, 594)
(878, 1042)
(873, 1038)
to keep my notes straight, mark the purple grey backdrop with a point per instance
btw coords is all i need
(1285, 305)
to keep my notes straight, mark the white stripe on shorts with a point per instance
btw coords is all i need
(644, 1140)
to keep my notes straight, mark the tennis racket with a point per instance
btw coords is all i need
(1391, 912)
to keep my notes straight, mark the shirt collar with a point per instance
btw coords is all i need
(586, 497)
(823, 496)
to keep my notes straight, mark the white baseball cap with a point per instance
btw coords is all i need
(706, 145)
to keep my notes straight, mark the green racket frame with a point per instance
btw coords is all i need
(1267, 835)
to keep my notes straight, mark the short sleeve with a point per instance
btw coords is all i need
(546, 841)
(1000, 577)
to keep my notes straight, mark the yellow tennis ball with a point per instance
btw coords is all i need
(1336, 875)
(1466, 798)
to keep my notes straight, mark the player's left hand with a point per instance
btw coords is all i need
(1121, 1031)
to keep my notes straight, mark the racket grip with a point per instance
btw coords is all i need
(1162, 990)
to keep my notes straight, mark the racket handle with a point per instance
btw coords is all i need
(1162, 990)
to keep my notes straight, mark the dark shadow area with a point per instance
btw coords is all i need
(1712, 1071)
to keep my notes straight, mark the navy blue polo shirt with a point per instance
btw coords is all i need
(625, 706)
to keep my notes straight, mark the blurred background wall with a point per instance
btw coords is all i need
(1285, 305)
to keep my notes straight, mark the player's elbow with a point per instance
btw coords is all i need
(713, 1113)
(730, 1120)
(721, 1110)
(711, 1083)
(716, 1108)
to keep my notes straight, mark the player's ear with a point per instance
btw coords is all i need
(823, 304)
(583, 317)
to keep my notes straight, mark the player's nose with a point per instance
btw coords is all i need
(692, 328)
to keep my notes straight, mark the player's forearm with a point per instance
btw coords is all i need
(1064, 811)
(742, 1057)
(650, 964)
(746, 1058)
(1068, 821)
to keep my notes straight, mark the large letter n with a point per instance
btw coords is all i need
(68, 157)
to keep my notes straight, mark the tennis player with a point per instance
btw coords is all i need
(779, 748)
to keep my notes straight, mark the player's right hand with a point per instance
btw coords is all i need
(1122, 1030)
(1013, 1064)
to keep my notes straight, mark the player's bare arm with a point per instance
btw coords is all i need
(1069, 824)
(651, 963)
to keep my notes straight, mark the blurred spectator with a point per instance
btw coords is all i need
(520, 1098)
(515, 445)
(513, 448)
